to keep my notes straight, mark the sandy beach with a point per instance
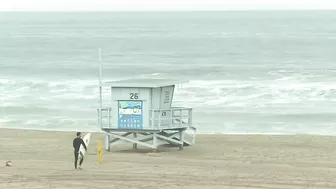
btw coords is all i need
(44, 159)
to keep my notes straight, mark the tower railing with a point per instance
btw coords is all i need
(170, 118)
(106, 117)
(176, 117)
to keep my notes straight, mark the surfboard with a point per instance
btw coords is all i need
(86, 140)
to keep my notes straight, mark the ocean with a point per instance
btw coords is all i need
(266, 72)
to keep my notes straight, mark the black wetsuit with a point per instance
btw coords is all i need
(76, 144)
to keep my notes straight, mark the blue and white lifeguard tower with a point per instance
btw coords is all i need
(140, 112)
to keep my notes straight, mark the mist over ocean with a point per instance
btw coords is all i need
(250, 72)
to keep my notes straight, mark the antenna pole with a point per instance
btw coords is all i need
(100, 90)
(100, 67)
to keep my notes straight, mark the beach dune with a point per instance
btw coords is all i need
(43, 159)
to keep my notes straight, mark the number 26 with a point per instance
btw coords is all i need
(134, 96)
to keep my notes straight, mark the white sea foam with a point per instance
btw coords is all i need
(242, 133)
(39, 128)
(5, 81)
(3, 120)
(269, 133)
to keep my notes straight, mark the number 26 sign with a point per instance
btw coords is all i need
(134, 96)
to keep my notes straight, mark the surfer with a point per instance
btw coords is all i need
(76, 144)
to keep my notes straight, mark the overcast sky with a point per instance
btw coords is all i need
(121, 5)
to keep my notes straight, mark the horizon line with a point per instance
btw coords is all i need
(176, 10)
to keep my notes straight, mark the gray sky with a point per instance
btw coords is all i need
(121, 5)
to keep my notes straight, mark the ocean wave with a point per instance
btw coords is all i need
(46, 90)
(243, 133)
(57, 129)
(320, 133)
(98, 130)
(196, 93)
(4, 120)
(239, 94)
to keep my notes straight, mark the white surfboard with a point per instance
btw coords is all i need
(86, 140)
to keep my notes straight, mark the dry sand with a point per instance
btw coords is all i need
(45, 160)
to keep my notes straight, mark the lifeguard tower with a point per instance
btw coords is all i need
(141, 114)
